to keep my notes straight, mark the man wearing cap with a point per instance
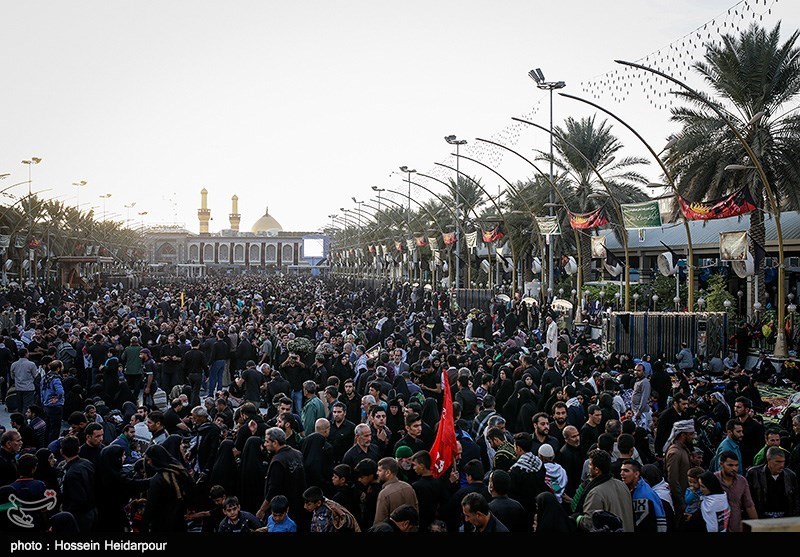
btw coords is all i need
(677, 461)
(405, 465)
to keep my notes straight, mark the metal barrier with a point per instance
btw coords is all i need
(640, 333)
(468, 298)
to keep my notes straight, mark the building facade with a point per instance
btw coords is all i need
(266, 247)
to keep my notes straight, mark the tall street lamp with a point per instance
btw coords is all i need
(379, 190)
(541, 83)
(409, 172)
(78, 186)
(451, 139)
(128, 206)
(30, 162)
(141, 220)
(104, 197)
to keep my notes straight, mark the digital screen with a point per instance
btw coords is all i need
(313, 247)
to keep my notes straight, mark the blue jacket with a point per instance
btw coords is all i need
(648, 510)
(727, 444)
(52, 388)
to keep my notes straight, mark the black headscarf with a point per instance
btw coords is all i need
(551, 516)
(430, 411)
(172, 472)
(109, 466)
(252, 475)
(63, 523)
(172, 444)
(44, 471)
(225, 471)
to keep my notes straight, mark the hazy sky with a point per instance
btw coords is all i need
(301, 105)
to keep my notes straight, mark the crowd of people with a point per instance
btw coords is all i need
(299, 404)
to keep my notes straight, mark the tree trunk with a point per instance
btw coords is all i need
(586, 257)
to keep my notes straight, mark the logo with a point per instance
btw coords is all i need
(18, 510)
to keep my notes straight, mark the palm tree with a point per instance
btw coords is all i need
(756, 81)
(577, 180)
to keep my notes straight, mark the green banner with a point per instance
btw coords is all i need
(641, 215)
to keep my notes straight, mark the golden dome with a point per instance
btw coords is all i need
(266, 223)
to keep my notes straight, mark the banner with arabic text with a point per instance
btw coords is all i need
(449, 238)
(493, 233)
(583, 221)
(733, 246)
(735, 204)
(598, 247)
(641, 215)
(471, 239)
(548, 225)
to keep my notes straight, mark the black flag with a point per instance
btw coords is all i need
(612, 260)
(759, 253)
(675, 256)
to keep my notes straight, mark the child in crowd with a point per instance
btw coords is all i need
(279, 520)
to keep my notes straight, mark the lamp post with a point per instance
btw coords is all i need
(104, 197)
(635, 300)
(451, 139)
(780, 338)
(128, 206)
(550, 86)
(655, 302)
(78, 186)
(409, 172)
(379, 190)
(30, 162)
(141, 220)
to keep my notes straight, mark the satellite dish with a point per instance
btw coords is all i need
(485, 267)
(9, 264)
(744, 268)
(666, 266)
(536, 265)
(571, 267)
(614, 271)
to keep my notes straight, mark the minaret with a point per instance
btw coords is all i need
(235, 217)
(204, 213)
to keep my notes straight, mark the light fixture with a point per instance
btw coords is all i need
(732, 167)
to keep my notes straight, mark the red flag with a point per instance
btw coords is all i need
(422, 241)
(737, 203)
(595, 219)
(444, 447)
(449, 238)
(493, 234)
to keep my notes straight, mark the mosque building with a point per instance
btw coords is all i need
(266, 247)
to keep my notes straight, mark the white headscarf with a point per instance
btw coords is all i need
(717, 395)
(681, 426)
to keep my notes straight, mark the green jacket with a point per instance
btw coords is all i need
(131, 360)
